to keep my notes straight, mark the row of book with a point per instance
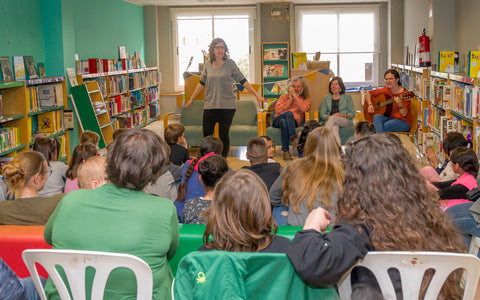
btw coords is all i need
(123, 103)
(153, 110)
(44, 96)
(9, 138)
(24, 68)
(134, 118)
(453, 62)
(97, 65)
(152, 94)
(136, 81)
(117, 84)
(118, 104)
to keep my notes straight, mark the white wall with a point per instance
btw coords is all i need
(467, 25)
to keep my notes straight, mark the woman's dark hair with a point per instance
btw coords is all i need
(135, 158)
(209, 144)
(212, 169)
(211, 49)
(466, 159)
(340, 83)
(240, 218)
(47, 146)
(364, 128)
(395, 74)
(309, 126)
(80, 154)
(454, 140)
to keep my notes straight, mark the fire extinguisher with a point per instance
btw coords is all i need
(424, 52)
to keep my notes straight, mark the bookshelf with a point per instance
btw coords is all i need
(451, 102)
(30, 109)
(275, 67)
(131, 96)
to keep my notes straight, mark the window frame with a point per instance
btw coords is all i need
(209, 13)
(301, 10)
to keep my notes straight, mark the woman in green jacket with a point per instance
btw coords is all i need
(336, 109)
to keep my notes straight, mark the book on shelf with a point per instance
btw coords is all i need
(299, 60)
(41, 70)
(121, 52)
(6, 68)
(19, 67)
(46, 96)
(31, 67)
(443, 125)
(448, 61)
(46, 122)
(1, 106)
(276, 70)
(68, 121)
(9, 138)
(474, 64)
(71, 77)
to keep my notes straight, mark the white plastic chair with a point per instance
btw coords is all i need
(474, 245)
(412, 267)
(74, 263)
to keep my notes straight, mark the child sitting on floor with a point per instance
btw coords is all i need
(80, 154)
(174, 136)
(211, 169)
(465, 164)
(89, 137)
(93, 173)
(56, 180)
(257, 151)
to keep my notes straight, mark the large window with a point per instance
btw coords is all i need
(195, 29)
(346, 36)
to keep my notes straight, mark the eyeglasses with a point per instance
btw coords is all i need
(219, 47)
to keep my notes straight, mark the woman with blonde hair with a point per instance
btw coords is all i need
(240, 219)
(385, 206)
(312, 181)
(26, 175)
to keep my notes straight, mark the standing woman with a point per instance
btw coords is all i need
(400, 118)
(336, 109)
(219, 76)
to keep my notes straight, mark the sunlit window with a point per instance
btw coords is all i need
(195, 29)
(348, 37)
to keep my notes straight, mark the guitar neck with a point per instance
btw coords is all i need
(385, 103)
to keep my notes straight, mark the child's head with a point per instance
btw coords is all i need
(80, 155)
(466, 159)
(270, 145)
(309, 126)
(240, 218)
(211, 169)
(257, 150)
(89, 137)
(117, 132)
(453, 140)
(322, 143)
(364, 128)
(28, 168)
(210, 144)
(92, 173)
(173, 133)
(47, 146)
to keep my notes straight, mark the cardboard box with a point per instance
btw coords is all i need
(318, 64)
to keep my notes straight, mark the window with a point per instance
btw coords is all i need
(195, 29)
(347, 36)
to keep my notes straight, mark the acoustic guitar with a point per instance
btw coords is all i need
(382, 105)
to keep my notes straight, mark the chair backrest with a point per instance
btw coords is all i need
(415, 109)
(246, 113)
(74, 264)
(193, 115)
(411, 267)
(242, 275)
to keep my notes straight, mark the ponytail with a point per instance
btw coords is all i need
(182, 188)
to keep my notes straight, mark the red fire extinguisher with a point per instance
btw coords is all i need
(424, 52)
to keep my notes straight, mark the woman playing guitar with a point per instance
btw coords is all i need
(397, 116)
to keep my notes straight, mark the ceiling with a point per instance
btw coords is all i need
(231, 2)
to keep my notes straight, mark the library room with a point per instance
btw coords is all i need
(253, 149)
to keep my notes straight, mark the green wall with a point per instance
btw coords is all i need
(21, 29)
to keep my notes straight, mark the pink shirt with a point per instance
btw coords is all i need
(468, 181)
(71, 185)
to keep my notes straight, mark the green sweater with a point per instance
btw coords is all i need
(112, 219)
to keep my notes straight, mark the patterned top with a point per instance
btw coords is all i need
(193, 210)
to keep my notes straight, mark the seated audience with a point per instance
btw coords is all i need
(80, 154)
(290, 113)
(56, 181)
(26, 175)
(384, 206)
(89, 137)
(13, 287)
(93, 173)
(166, 185)
(271, 148)
(336, 110)
(240, 219)
(309, 126)
(464, 163)
(438, 172)
(312, 181)
(191, 187)
(117, 132)
(211, 169)
(257, 154)
(120, 217)
(174, 136)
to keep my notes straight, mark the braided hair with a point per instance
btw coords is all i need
(207, 145)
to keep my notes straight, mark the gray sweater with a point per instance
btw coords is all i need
(220, 85)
